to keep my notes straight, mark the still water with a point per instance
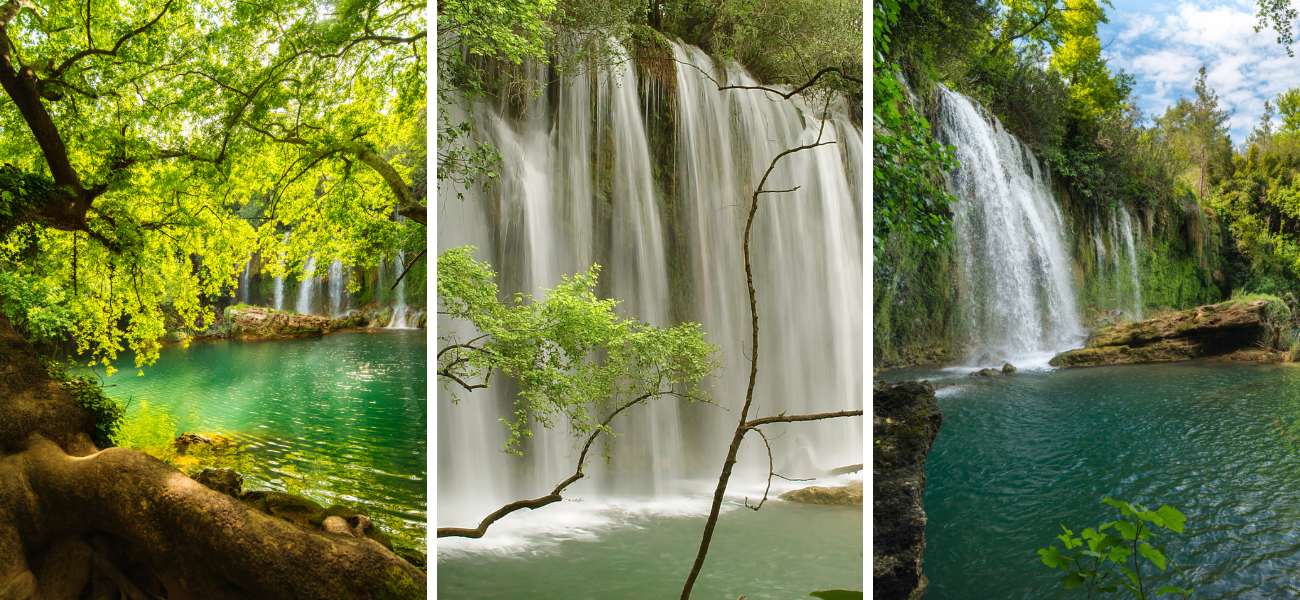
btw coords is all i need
(339, 418)
(644, 551)
(1018, 456)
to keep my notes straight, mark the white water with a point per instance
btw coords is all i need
(401, 312)
(338, 288)
(551, 213)
(1013, 274)
(307, 287)
(279, 281)
(1126, 228)
(243, 282)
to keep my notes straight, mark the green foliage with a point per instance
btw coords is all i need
(36, 307)
(274, 105)
(571, 354)
(149, 428)
(1133, 544)
(106, 414)
(908, 195)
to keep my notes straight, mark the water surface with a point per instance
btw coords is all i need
(339, 418)
(1019, 456)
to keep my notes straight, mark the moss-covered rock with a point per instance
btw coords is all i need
(838, 495)
(1214, 330)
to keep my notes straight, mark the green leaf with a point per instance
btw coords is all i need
(1051, 556)
(1127, 529)
(1173, 520)
(1072, 580)
(1153, 555)
(1169, 589)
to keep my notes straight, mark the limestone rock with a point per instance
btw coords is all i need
(1214, 330)
(906, 420)
(225, 481)
(839, 495)
(986, 373)
(1008, 368)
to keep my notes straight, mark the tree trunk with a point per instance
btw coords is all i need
(73, 517)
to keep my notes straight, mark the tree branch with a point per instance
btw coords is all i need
(552, 497)
(408, 268)
(91, 51)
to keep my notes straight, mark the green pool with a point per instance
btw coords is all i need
(1019, 456)
(339, 418)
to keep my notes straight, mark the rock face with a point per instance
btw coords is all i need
(906, 419)
(1215, 330)
(840, 495)
(256, 322)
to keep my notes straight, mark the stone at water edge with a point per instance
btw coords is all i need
(1008, 368)
(985, 373)
(905, 420)
(839, 495)
(225, 481)
(1224, 329)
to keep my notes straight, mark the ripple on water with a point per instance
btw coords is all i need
(1019, 456)
(282, 402)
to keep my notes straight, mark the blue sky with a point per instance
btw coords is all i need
(1164, 43)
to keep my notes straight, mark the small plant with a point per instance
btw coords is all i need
(1136, 541)
(86, 390)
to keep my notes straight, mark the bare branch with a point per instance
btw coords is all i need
(554, 496)
(408, 268)
(796, 418)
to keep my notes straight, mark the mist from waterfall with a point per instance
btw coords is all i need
(577, 186)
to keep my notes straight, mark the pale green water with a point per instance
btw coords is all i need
(644, 552)
(339, 418)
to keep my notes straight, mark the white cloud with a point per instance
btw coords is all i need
(1164, 49)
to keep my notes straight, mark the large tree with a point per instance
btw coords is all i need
(132, 136)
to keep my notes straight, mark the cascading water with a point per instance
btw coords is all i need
(338, 288)
(243, 282)
(400, 309)
(307, 288)
(1126, 228)
(279, 281)
(578, 185)
(1014, 276)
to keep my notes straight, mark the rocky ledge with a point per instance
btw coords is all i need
(1238, 330)
(905, 421)
(835, 495)
(256, 323)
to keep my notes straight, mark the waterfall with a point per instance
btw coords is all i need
(307, 288)
(1126, 227)
(400, 309)
(578, 186)
(1013, 274)
(338, 288)
(279, 280)
(243, 282)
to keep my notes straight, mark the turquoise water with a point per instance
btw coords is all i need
(1019, 456)
(781, 552)
(339, 418)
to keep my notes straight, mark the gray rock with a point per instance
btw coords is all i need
(1008, 368)
(906, 419)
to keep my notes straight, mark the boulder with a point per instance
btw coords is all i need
(294, 509)
(225, 481)
(985, 373)
(183, 441)
(1008, 368)
(1242, 328)
(839, 495)
(905, 421)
